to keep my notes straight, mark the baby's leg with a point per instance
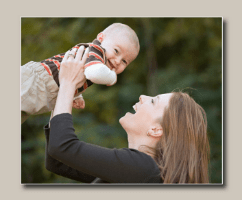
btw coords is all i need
(79, 102)
(38, 90)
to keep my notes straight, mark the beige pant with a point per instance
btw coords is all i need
(38, 90)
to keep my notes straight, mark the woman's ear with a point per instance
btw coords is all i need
(100, 37)
(155, 131)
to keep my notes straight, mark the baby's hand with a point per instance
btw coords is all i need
(116, 77)
(79, 103)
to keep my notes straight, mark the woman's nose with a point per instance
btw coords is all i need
(142, 98)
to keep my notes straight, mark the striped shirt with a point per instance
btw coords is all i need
(96, 55)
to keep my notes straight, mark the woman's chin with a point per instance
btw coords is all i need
(128, 114)
(125, 118)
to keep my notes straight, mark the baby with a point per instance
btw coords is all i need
(109, 54)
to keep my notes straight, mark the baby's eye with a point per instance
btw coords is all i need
(124, 61)
(116, 50)
(152, 100)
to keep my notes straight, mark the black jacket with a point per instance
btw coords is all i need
(67, 156)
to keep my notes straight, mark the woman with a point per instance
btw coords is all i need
(167, 138)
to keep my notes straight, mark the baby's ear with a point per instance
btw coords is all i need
(100, 37)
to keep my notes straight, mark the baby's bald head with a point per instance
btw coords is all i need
(117, 29)
(121, 44)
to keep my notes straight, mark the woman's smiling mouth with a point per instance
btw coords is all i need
(135, 107)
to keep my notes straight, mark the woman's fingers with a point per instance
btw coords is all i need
(66, 56)
(85, 56)
(72, 53)
(79, 53)
(69, 54)
(80, 56)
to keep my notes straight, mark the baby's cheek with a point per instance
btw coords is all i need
(120, 69)
(108, 56)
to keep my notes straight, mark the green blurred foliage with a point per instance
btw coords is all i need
(176, 54)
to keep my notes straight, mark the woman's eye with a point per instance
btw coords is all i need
(152, 100)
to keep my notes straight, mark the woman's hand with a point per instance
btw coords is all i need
(72, 69)
(71, 76)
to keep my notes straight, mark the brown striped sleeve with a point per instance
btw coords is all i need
(96, 55)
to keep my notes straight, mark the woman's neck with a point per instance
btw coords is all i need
(140, 144)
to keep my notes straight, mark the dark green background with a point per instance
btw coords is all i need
(176, 54)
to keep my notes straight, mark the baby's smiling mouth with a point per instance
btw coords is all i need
(111, 66)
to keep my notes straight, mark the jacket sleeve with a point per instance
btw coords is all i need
(112, 165)
(61, 169)
(100, 74)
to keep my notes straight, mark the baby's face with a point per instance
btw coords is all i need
(119, 52)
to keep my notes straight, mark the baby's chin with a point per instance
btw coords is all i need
(109, 67)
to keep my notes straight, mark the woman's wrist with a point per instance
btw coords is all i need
(65, 98)
(68, 92)
(68, 86)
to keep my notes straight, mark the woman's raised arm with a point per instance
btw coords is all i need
(71, 76)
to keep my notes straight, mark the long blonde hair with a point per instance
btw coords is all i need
(183, 151)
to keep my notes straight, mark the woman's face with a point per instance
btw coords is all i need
(148, 113)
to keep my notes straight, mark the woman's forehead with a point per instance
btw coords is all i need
(165, 96)
(163, 99)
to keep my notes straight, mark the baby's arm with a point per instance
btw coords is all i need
(101, 74)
